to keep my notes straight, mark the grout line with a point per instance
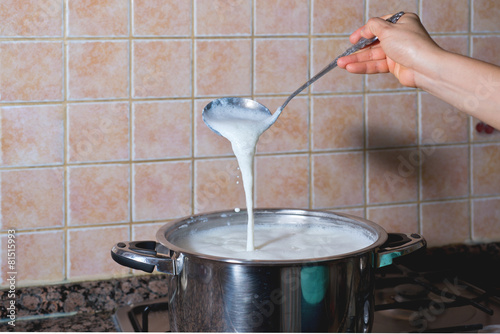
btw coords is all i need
(253, 23)
(366, 190)
(65, 103)
(210, 37)
(193, 105)
(420, 169)
(131, 116)
(222, 156)
(470, 137)
(310, 114)
(66, 181)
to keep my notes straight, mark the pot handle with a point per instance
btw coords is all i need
(144, 255)
(398, 244)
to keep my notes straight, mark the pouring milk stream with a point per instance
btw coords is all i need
(243, 133)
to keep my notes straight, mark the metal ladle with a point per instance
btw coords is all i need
(218, 109)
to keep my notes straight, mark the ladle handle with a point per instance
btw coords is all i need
(363, 42)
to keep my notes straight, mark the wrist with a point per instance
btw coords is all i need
(428, 71)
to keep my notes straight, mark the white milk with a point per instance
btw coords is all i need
(275, 242)
(243, 133)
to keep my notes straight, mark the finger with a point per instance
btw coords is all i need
(369, 67)
(369, 54)
(355, 36)
(365, 31)
(374, 27)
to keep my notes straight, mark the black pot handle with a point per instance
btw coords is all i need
(398, 244)
(143, 255)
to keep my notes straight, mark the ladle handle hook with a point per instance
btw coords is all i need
(363, 42)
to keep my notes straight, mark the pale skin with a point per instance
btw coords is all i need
(408, 52)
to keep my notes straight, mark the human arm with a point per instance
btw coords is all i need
(407, 51)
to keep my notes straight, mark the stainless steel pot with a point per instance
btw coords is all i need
(324, 294)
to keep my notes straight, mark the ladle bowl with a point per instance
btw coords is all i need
(218, 109)
(227, 107)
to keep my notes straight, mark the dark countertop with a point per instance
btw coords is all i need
(78, 307)
(89, 306)
(80, 322)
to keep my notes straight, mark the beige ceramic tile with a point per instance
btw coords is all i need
(337, 180)
(337, 122)
(161, 190)
(445, 223)
(392, 120)
(98, 70)
(455, 13)
(145, 231)
(98, 132)
(280, 65)
(395, 219)
(456, 44)
(275, 17)
(207, 142)
(223, 67)
(32, 198)
(31, 71)
(98, 18)
(485, 15)
(282, 181)
(161, 129)
(223, 17)
(162, 18)
(41, 18)
(441, 122)
(324, 50)
(337, 16)
(389, 7)
(445, 172)
(39, 258)
(486, 215)
(98, 194)
(486, 48)
(31, 135)
(87, 247)
(358, 212)
(290, 133)
(392, 176)
(485, 167)
(161, 68)
(218, 185)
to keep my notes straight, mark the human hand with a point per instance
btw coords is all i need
(405, 49)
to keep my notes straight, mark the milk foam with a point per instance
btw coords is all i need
(275, 242)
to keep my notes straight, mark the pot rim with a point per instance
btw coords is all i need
(169, 228)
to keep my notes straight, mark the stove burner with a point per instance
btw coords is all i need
(456, 329)
(418, 301)
(407, 292)
(148, 316)
(490, 329)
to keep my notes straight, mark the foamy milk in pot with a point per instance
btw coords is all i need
(275, 241)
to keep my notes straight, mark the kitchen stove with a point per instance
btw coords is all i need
(437, 302)
(419, 293)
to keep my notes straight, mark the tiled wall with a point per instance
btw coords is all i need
(102, 138)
